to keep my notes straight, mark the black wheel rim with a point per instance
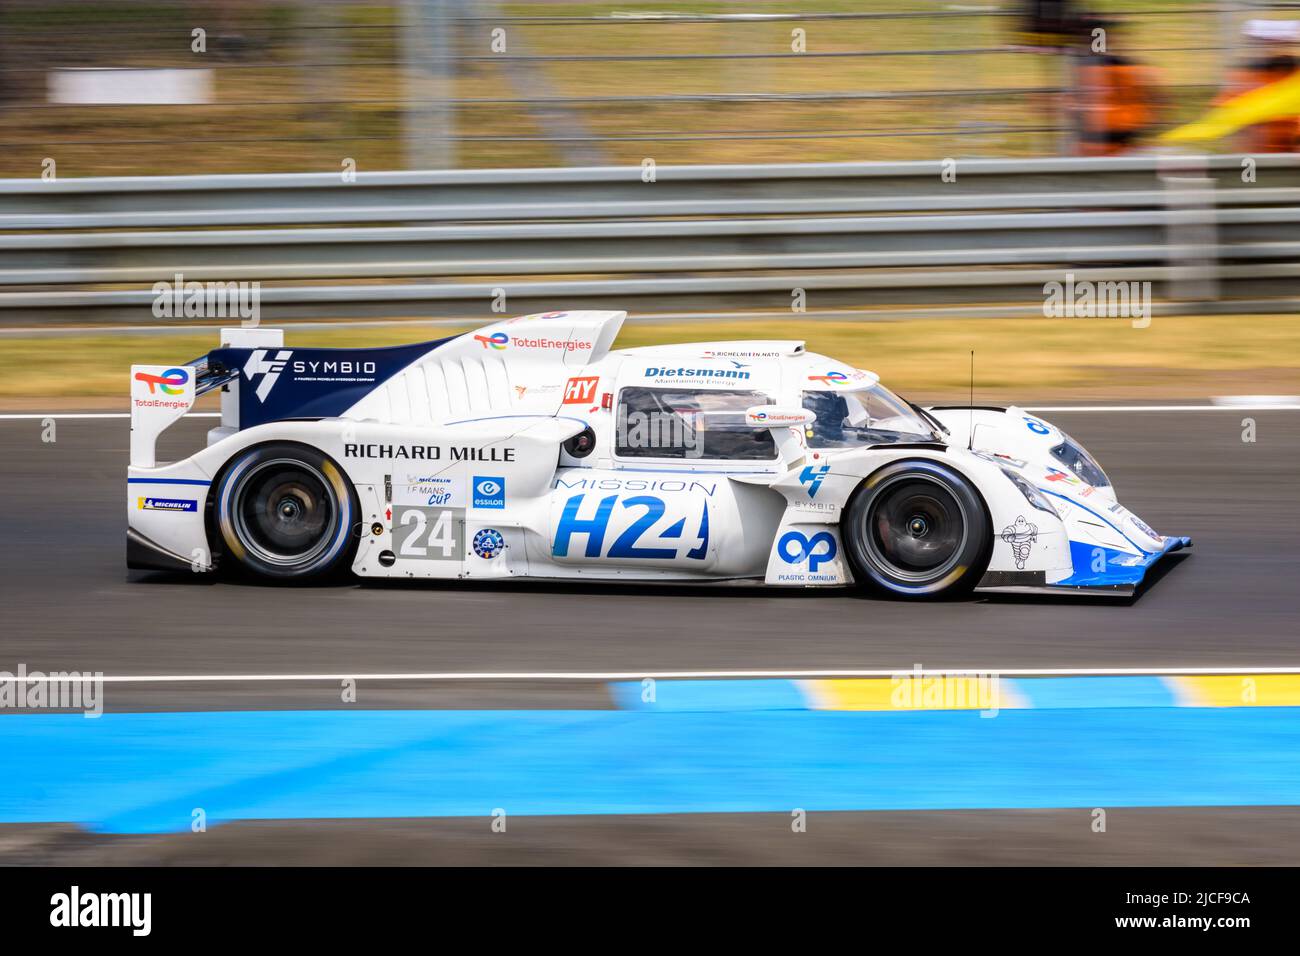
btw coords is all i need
(916, 529)
(284, 512)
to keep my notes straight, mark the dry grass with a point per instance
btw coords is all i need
(1016, 359)
(319, 132)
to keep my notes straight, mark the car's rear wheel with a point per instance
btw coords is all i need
(918, 529)
(285, 510)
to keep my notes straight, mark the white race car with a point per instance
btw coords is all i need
(532, 449)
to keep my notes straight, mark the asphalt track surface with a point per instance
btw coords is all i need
(70, 604)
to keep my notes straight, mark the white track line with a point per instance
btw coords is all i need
(1034, 408)
(666, 675)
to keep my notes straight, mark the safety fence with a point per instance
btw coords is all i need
(1210, 233)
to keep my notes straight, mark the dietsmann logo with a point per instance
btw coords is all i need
(656, 372)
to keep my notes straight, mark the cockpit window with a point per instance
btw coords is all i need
(686, 424)
(1076, 458)
(869, 416)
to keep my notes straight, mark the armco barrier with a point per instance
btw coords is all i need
(1206, 232)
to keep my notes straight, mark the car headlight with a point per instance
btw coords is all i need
(1032, 494)
(1077, 460)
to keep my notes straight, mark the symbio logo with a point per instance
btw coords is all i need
(813, 478)
(269, 369)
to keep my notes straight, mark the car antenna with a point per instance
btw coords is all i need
(970, 441)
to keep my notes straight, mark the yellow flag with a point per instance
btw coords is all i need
(1274, 101)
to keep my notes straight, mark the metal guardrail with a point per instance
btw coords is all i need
(852, 235)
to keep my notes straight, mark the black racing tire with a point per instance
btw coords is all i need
(286, 511)
(917, 529)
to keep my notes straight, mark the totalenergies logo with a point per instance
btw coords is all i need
(830, 378)
(172, 381)
(497, 340)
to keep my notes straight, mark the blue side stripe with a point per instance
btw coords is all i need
(1097, 514)
(168, 481)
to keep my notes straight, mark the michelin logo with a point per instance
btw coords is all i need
(166, 504)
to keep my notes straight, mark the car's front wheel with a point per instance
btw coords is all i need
(918, 529)
(285, 510)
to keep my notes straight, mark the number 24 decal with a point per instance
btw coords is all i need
(441, 536)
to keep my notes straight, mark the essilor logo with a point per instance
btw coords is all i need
(269, 369)
(172, 381)
(488, 487)
(830, 378)
(497, 340)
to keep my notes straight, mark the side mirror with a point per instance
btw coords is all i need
(777, 416)
(787, 425)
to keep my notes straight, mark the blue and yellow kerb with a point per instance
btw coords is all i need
(972, 691)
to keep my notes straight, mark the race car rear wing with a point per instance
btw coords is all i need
(210, 374)
(161, 394)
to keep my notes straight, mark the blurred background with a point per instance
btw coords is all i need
(244, 86)
(447, 162)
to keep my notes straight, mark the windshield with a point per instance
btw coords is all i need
(868, 416)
